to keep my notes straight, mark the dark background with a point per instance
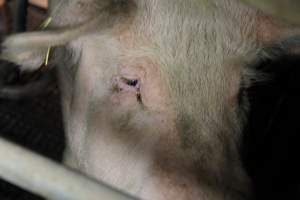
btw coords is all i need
(33, 122)
(271, 138)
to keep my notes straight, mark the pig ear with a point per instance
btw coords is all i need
(288, 10)
(29, 50)
(277, 20)
(28, 56)
(271, 30)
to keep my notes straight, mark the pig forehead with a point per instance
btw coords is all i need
(80, 10)
(188, 25)
(71, 12)
(186, 40)
(187, 47)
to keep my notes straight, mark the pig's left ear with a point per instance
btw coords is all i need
(272, 30)
(277, 22)
(288, 10)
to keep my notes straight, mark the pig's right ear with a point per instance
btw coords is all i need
(29, 50)
(21, 50)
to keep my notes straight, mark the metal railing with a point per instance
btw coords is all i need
(48, 179)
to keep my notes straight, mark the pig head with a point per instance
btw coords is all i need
(152, 89)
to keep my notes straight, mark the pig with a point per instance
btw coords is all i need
(153, 90)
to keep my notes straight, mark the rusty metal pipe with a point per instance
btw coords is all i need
(49, 179)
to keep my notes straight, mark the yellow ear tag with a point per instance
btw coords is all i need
(44, 25)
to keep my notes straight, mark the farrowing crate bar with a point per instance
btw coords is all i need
(49, 179)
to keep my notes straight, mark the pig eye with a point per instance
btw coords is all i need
(128, 85)
(131, 82)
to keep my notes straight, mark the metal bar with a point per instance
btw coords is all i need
(49, 179)
(20, 16)
(285, 9)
